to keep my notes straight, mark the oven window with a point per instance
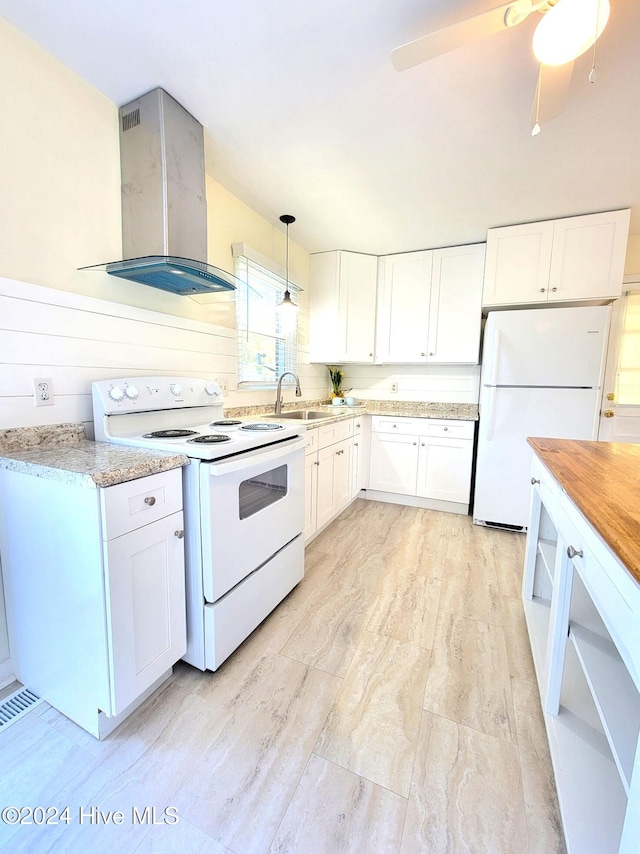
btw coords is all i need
(262, 490)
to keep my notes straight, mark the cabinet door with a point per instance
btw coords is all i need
(326, 331)
(325, 488)
(342, 307)
(357, 310)
(588, 256)
(518, 264)
(310, 494)
(456, 305)
(404, 289)
(145, 594)
(444, 469)
(394, 463)
(342, 474)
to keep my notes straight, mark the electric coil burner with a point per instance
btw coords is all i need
(169, 434)
(243, 501)
(226, 423)
(259, 426)
(211, 439)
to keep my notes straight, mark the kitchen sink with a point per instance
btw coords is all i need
(303, 415)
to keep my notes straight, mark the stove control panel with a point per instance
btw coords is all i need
(151, 394)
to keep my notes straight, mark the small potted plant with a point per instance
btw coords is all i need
(336, 374)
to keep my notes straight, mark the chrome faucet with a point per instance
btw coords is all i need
(278, 408)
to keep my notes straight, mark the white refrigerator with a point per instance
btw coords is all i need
(542, 374)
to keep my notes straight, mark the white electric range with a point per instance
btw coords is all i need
(243, 496)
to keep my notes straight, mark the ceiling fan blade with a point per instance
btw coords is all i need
(449, 38)
(552, 92)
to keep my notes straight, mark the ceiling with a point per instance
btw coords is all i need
(304, 113)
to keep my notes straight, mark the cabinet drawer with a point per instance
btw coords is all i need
(447, 429)
(336, 432)
(389, 424)
(312, 445)
(135, 503)
(612, 590)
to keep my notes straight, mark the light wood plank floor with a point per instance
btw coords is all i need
(388, 705)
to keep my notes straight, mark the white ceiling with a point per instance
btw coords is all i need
(305, 114)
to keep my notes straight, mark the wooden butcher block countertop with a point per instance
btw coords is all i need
(603, 481)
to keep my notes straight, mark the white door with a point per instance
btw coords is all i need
(455, 309)
(518, 262)
(444, 469)
(310, 494)
(546, 347)
(146, 619)
(358, 276)
(252, 505)
(507, 418)
(588, 256)
(403, 307)
(394, 463)
(620, 409)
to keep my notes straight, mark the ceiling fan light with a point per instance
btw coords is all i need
(569, 29)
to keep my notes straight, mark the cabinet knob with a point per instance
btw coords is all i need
(423, 354)
(432, 354)
(415, 443)
(608, 413)
(178, 534)
(445, 429)
(316, 463)
(423, 444)
(370, 354)
(611, 396)
(571, 552)
(554, 290)
(542, 290)
(534, 481)
(355, 444)
(150, 500)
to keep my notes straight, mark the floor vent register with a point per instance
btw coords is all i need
(16, 706)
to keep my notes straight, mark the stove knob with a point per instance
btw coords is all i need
(131, 391)
(175, 388)
(212, 388)
(116, 393)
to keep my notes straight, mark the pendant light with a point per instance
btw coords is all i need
(287, 306)
(569, 29)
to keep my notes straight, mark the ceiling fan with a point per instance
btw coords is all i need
(567, 29)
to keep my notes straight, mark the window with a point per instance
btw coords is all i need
(265, 347)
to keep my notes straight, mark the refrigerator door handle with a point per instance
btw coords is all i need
(495, 352)
(491, 412)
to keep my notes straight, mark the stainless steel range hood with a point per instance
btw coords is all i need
(164, 209)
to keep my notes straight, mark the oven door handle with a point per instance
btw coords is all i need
(250, 458)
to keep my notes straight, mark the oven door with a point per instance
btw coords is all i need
(251, 506)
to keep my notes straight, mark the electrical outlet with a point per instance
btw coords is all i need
(394, 387)
(43, 391)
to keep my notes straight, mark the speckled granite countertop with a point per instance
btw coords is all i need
(62, 452)
(398, 408)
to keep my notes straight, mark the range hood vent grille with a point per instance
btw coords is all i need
(130, 120)
(164, 208)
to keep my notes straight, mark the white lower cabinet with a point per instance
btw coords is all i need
(95, 590)
(583, 617)
(334, 466)
(422, 458)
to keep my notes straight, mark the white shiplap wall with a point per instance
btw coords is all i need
(425, 383)
(75, 340)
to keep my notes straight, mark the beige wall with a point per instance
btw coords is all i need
(60, 199)
(632, 261)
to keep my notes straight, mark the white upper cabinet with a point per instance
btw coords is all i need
(429, 306)
(404, 295)
(342, 306)
(456, 304)
(588, 256)
(563, 260)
